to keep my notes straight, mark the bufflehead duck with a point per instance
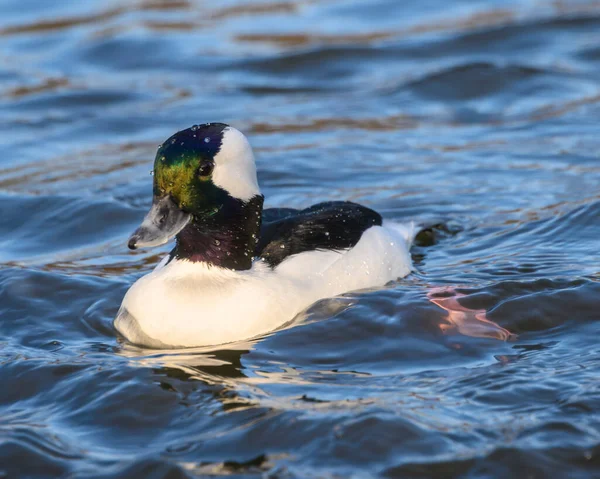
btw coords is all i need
(237, 270)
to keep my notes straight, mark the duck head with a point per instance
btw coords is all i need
(205, 191)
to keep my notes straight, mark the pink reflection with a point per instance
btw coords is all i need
(470, 322)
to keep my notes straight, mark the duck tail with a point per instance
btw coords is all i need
(408, 231)
(422, 231)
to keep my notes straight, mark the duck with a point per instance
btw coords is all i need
(239, 271)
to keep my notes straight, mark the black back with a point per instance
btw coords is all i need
(334, 225)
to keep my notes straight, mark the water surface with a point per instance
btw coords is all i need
(481, 113)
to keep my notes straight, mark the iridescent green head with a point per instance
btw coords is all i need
(184, 166)
(197, 173)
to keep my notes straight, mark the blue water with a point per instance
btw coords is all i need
(480, 114)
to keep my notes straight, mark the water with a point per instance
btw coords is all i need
(481, 113)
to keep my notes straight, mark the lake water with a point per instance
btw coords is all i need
(482, 114)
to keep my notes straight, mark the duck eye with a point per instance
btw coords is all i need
(205, 169)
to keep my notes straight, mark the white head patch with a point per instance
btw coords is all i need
(235, 169)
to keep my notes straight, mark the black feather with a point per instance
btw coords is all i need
(335, 225)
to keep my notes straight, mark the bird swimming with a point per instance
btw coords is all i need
(238, 271)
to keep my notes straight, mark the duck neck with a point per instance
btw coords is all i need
(226, 239)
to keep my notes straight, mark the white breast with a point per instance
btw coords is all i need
(193, 304)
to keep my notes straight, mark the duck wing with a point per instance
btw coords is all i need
(333, 225)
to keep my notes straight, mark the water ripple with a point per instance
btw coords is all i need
(475, 116)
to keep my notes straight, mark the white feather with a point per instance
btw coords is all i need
(193, 304)
(235, 169)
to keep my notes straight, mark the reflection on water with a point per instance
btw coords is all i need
(467, 321)
(477, 116)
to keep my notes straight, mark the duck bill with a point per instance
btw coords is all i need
(163, 222)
